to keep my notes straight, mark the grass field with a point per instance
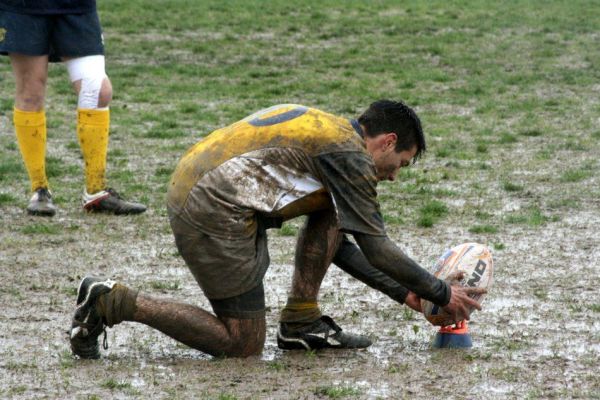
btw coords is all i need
(509, 96)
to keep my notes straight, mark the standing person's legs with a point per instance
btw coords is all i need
(94, 91)
(31, 73)
(302, 324)
(77, 40)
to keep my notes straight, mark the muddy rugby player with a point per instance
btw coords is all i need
(228, 189)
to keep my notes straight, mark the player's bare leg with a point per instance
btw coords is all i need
(31, 74)
(94, 93)
(317, 242)
(202, 330)
(105, 303)
(302, 325)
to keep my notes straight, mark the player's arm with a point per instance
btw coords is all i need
(384, 255)
(351, 260)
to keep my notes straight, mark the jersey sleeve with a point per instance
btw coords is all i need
(350, 179)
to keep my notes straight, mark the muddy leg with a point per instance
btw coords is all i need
(316, 246)
(200, 329)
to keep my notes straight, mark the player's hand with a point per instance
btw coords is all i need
(413, 301)
(461, 304)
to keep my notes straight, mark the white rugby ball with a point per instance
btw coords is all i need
(475, 260)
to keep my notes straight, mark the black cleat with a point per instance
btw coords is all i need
(41, 203)
(87, 323)
(322, 333)
(109, 201)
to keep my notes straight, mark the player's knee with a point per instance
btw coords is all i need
(88, 74)
(29, 102)
(105, 95)
(246, 337)
(244, 347)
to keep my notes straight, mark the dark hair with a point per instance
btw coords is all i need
(384, 116)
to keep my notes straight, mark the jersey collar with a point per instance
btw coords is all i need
(357, 128)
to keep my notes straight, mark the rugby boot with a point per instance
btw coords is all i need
(41, 203)
(87, 323)
(322, 333)
(110, 201)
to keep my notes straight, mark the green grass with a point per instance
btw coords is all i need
(499, 246)
(431, 213)
(7, 199)
(594, 308)
(39, 228)
(483, 229)
(532, 216)
(336, 392)
(574, 175)
(532, 132)
(10, 168)
(166, 285)
(511, 186)
(226, 396)
(175, 82)
(57, 167)
(288, 229)
(507, 95)
(113, 384)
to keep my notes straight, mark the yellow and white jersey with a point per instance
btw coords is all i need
(281, 162)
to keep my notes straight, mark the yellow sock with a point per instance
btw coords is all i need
(30, 128)
(300, 311)
(92, 130)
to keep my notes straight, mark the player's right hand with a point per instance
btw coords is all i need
(461, 303)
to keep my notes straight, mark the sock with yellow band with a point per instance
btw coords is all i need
(300, 312)
(302, 326)
(118, 305)
(30, 129)
(92, 131)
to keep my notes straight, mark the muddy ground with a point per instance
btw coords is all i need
(514, 139)
(538, 336)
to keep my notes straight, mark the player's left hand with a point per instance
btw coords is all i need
(413, 301)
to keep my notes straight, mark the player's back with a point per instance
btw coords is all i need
(310, 132)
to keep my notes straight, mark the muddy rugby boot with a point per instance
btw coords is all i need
(322, 333)
(109, 201)
(87, 322)
(41, 203)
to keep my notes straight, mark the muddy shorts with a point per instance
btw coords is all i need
(65, 35)
(229, 271)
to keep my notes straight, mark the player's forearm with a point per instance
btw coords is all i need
(384, 255)
(350, 259)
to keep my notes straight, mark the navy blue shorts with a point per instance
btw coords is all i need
(65, 35)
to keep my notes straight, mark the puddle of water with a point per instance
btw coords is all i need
(496, 388)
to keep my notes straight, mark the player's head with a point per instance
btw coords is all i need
(387, 116)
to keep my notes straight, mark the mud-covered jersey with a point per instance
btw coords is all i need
(48, 7)
(281, 162)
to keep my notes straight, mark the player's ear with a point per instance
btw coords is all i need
(390, 140)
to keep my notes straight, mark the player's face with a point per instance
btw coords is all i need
(390, 162)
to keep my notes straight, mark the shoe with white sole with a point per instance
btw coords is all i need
(41, 203)
(110, 201)
(322, 333)
(87, 323)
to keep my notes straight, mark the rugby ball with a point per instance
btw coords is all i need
(475, 260)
